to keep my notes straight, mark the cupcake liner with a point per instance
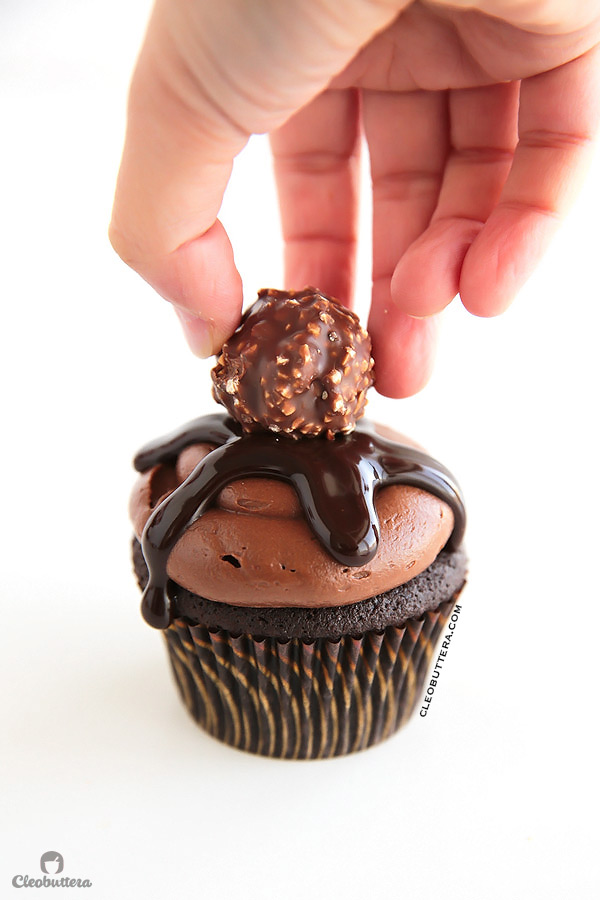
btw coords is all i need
(298, 699)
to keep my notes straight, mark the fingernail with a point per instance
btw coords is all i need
(198, 333)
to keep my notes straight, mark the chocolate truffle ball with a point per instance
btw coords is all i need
(299, 364)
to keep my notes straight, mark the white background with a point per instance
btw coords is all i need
(493, 794)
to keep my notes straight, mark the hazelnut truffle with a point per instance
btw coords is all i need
(299, 364)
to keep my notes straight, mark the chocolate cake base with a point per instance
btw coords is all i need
(441, 581)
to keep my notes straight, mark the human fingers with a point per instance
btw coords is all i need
(176, 163)
(316, 159)
(483, 135)
(208, 76)
(558, 117)
(407, 139)
(403, 349)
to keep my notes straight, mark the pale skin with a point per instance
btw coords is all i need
(478, 117)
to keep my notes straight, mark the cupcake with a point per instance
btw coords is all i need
(301, 562)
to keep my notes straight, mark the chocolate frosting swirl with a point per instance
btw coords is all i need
(335, 482)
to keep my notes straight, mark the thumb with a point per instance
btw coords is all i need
(176, 163)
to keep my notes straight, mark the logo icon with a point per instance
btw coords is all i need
(52, 862)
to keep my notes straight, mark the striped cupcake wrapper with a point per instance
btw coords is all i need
(298, 699)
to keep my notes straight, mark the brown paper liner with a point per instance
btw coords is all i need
(303, 700)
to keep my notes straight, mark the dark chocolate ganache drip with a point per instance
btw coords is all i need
(335, 481)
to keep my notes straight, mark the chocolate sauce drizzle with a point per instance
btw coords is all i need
(335, 481)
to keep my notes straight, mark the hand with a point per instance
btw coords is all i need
(478, 124)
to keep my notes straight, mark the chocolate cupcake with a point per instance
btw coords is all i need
(301, 563)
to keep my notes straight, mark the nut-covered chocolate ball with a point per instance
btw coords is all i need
(299, 364)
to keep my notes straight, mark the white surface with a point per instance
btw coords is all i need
(494, 793)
